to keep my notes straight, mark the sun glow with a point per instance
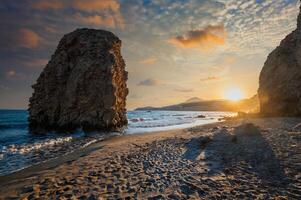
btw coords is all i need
(234, 94)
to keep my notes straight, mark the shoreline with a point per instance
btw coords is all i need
(69, 157)
(72, 156)
(90, 148)
(174, 164)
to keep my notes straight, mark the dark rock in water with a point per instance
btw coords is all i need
(82, 86)
(280, 79)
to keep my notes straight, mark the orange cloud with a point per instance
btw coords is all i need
(229, 59)
(96, 5)
(210, 78)
(47, 4)
(28, 38)
(96, 20)
(149, 61)
(36, 63)
(11, 73)
(205, 39)
(110, 10)
(50, 29)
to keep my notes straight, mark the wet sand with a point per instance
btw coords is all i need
(237, 159)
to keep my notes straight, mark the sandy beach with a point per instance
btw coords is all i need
(238, 159)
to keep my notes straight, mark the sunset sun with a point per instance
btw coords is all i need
(234, 94)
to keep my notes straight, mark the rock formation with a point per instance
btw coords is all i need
(280, 79)
(82, 86)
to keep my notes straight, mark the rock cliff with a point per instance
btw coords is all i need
(280, 79)
(82, 86)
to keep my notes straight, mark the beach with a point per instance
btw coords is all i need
(256, 158)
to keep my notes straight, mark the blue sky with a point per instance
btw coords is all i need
(174, 50)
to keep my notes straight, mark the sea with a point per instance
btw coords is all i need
(19, 148)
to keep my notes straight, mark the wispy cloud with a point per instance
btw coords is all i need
(109, 10)
(96, 5)
(148, 61)
(11, 73)
(205, 38)
(46, 4)
(210, 78)
(96, 20)
(4, 87)
(14, 75)
(135, 96)
(86, 5)
(36, 63)
(28, 38)
(90, 12)
(183, 90)
(150, 82)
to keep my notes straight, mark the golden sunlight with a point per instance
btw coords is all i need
(234, 94)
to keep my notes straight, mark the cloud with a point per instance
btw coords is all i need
(206, 38)
(96, 12)
(11, 73)
(183, 90)
(135, 96)
(229, 59)
(36, 62)
(82, 5)
(28, 38)
(148, 61)
(96, 20)
(96, 5)
(46, 4)
(150, 82)
(4, 87)
(51, 29)
(210, 78)
(110, 10)
(14, 75)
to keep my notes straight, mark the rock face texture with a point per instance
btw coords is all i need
(280, 79)
(82, 86)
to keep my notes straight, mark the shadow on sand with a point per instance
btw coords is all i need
(244, 149)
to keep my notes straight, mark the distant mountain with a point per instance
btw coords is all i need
(193, 100)
(244, 105)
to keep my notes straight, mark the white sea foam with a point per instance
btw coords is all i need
(145, 121)
(89, 143)
(19, 148)
(24, 149)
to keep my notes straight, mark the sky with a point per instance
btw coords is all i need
(174, 50)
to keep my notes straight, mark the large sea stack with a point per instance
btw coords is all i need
(280, 79)
(82, 86)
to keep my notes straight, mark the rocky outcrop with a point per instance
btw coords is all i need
(280, 79)
(82, 86)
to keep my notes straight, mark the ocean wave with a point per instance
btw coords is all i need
(159, 125)
(137, 120)
(24, 149)
(91, 142)
(19, 148)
